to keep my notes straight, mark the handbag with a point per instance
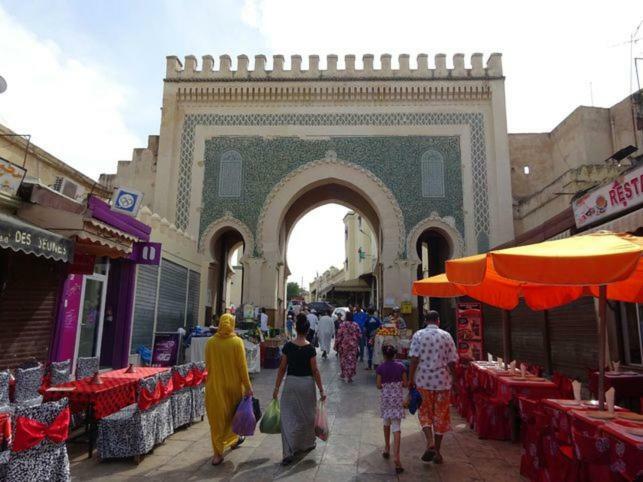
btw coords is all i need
(321, 422)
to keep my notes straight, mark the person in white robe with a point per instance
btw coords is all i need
(325, 332)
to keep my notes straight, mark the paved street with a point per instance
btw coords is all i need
(353, 451)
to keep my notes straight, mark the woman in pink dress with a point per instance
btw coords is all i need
(347, 345)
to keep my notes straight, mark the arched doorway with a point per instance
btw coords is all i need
(313, 185)
(223, 239)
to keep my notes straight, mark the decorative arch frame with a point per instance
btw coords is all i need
(371, 187)
(228, 221)
(446, 225)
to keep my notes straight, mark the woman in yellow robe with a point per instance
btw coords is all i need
(228, 382)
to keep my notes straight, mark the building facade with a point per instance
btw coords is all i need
(244, 152)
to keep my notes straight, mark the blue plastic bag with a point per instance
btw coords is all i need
(415, 400)
(244, 420)
(146, 355)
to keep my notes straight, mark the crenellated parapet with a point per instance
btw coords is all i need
(458, 69)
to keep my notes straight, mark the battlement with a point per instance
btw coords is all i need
(189, 71)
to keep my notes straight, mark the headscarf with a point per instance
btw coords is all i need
(226, 326)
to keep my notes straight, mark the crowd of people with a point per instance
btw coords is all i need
(430, 374)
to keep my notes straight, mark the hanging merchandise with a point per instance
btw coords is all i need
(469, 331)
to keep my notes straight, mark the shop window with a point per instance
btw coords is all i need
(230, 174)
(432, 172)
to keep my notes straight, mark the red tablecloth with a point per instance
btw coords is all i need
(5, 430)
(141, 372)
(107, 398)
(626, 450)
(626, 384)
(499, 383)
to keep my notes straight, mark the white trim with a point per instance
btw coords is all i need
(131, 320)
(156, 300)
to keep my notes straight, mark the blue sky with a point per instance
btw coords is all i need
(85, 76)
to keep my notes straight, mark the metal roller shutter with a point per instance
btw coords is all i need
(492, 327)
(28, 306)
(145, 306)
(172, 299)
(527, 335)
(574, 345)
(193, 299)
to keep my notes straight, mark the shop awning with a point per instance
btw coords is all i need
(352, 286)
(20, 236)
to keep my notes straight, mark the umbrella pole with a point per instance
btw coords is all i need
(506, 337)
(602, 332)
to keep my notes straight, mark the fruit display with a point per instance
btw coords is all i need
(388, 331)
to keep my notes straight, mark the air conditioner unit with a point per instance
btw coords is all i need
(66, 187)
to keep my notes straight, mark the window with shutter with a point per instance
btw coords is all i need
(145, 306)
(172, 296)
(432, 171)
(230, 174)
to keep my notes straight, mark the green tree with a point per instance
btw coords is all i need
(292, 289)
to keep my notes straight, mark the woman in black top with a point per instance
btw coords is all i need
(298, 399)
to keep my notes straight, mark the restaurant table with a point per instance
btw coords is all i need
(626, 449)
(117, 390)
(505, 385)
(5, 431)
(628, 386)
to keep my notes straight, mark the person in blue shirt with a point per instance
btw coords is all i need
(360, 317)
(370, 329)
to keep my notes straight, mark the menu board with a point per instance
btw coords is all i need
(470, 334)
(166, 349)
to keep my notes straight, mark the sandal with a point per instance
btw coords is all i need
(398, 468)
(428, 456)
(217, 460)
(386, 455)
(438, 459)
(240, 440)
(287, 461)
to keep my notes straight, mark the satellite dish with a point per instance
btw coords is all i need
(3, 84)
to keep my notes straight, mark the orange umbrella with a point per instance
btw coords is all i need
(591, 263)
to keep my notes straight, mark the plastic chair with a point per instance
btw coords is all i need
(130, 432)
(492, 418)
(5, 403)
(47, 459)
(28, 382)
(198, 392)
(593, 454)
(182, 395)
(87, 366)
(60, 372)
(564, 384)
(164, 422)
(531, 427)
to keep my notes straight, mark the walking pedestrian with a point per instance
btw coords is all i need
(391, 380)
(263, 319)
(396, 319)
(325, 333)
(313, 321)
(370, 329)
(433, 358)
(360, 318)
(227, 383)
(289, 326)
(298, 398)
(347, 344)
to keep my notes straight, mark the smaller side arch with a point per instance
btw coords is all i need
(446, 225)
(228, 221)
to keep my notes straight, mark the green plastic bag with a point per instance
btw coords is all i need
(271, 420)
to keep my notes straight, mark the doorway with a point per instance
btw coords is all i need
(92, 311)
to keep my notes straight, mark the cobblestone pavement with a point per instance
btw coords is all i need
(352, 453)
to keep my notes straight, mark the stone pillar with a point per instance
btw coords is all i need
(397, 287)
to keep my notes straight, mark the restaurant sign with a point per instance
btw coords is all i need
(622, 193)
(17, 235)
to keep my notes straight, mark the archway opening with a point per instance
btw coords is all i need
(225, 271)
(433, 250)
(330, 238)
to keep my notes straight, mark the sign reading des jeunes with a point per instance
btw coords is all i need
(146, 253)
(18, 235)
(126, 201)
(623, 193)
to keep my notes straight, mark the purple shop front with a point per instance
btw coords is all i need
(111, 338)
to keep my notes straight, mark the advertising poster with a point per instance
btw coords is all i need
(166, 349)
(470, 334)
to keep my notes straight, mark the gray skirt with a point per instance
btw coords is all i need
(298, 400)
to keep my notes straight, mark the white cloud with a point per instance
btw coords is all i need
(71, 108)
(250, 13)
(552, 50)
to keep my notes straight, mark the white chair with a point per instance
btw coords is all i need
(181, 397)
(87, 366)
(198, 394)
(60, 372)
(28, 382)
(164, 422)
